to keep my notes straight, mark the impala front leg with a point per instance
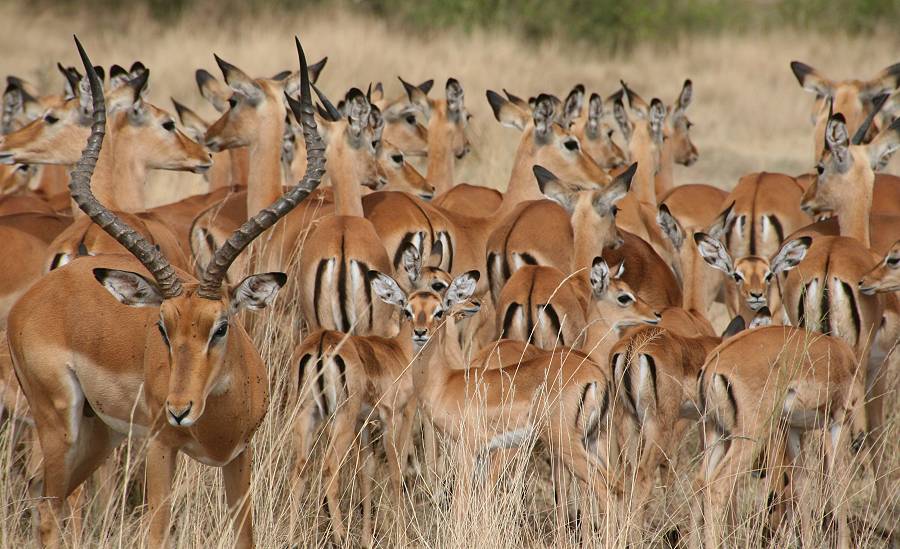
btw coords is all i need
(161, 462)
(237, 492)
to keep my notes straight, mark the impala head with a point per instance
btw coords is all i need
(596, 137)
(545, 141)
(447, 118)
(423, 276)
(884, 277)
(254, 105)
(197, 318)
(614, 298)
(642, 124)
(425, 309)
(846, 170)
(752, 275)
(354, 135)
(591, 208)
(156, 142)
(400, 174)
(403, 120)
(855, 99)
(52, 135)
(679, 128)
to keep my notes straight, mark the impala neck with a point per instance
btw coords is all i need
(436, 361)
(600, 335)
(440, 155)
(853, 215)
(522, 186)
(665, 176)
(592, 235)
(264, 168)
(119, 178)
(644, 151)
(344, 185)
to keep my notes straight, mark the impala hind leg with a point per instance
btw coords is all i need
(70, 457)
(343, 434)
(837, 478)
(723, 465)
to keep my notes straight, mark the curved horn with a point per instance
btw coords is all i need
(867, 123)
(80, 188)
(211, 284)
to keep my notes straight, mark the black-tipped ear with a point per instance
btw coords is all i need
(316, 69)
(736, 326)
(283, 75)
(202, 76)
(116, 71)
(139, 83)
(863, 129)
(410, 89)
(801, 71)
(426, 86)
(137, 67)
(543, 176)
(628, 174)
(496, 101)
(180, 109)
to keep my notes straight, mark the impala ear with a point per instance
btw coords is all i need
(722, 223)
(884, 145)
(257, 291)
(811, 80)
(684, 98)
(194, 125)
(657, 119)
(790, 255)
(358, 110)
(543, 117)
(412, 262)
(714, 253)
(507, 113)
(595, 113)
(386, 288)
(616, 190)
(573, 105)
(238, 81)
(315, 70)
(837, 140)
(129, 288)
(736, 326)
(621, 116)
(887, 81)
(600, 276)
(554, 189)
(461, 289)
(670, 226)
(455, 99)
(212, 90)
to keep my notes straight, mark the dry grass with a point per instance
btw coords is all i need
(749, 114)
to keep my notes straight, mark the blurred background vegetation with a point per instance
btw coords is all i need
(607, 24)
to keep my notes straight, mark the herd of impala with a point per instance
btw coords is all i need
(572, 309)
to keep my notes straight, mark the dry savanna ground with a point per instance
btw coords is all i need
(749, 114)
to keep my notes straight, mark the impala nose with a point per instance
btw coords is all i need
(177, 415)
(756, 295)
(420, 334)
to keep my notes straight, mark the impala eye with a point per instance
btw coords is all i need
(397, 158)
(738, 277)
(571, 144)
(162, 332)
(408, 313)
(232, 101)
(438, 286)
(439, 314)
(50, 119)
(411, 119)
(769, 275)
(893, 261)
(169, 125)
(220, 331)
(624, 300)
(820, 168)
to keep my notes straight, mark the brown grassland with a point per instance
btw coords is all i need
(749, 115)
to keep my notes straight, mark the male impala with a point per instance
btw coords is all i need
(180, 369)
(771, 386)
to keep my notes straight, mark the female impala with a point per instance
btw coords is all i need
(771, 386)
(180, 369)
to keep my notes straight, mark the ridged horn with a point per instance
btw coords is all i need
(80, 189)
(211, 283)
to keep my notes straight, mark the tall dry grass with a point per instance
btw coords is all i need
(749, 115)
